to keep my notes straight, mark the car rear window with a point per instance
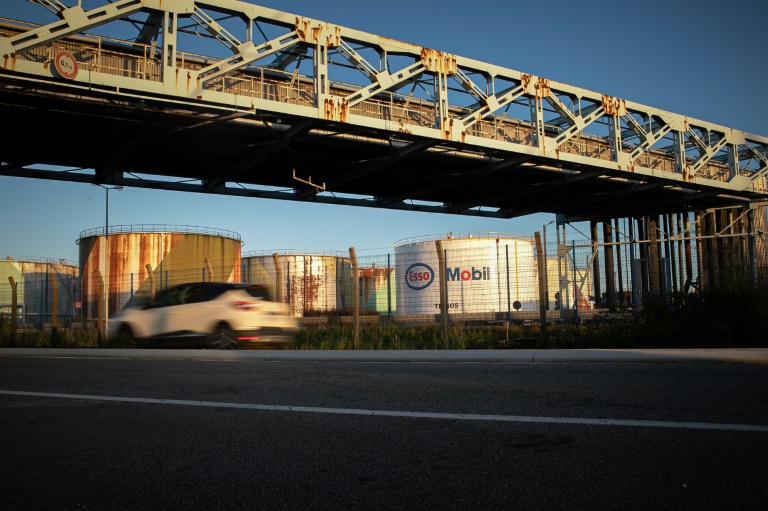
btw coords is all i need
(259, 291)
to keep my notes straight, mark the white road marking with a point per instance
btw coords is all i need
(403, 414)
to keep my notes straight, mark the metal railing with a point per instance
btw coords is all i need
(160, 228)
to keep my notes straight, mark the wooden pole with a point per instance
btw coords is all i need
(355, 298)
(542, 266)
(14, 310)
(54, 310)
(443, 291)
(151, 278)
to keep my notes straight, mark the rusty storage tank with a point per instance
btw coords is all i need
(485, 273)
(311, 283)
(35, 279)
(377, 288)
(145, 259)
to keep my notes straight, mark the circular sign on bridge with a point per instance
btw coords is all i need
(65, 65)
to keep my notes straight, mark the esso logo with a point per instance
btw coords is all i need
(419, 276)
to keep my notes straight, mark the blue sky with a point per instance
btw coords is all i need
(698, 58)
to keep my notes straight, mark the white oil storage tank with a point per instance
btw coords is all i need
(35, 279)
(311, 283)
(484, 273)
(145, 259)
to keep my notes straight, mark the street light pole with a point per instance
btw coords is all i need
(106, 258)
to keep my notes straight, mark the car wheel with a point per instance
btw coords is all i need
(124, 339)
(223, 338)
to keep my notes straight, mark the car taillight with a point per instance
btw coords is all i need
(246, 306)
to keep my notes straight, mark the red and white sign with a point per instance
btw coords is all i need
(65, 64)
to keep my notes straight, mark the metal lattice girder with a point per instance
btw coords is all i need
(458, 115)
(73, 20)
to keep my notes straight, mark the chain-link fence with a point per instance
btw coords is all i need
(481, 278)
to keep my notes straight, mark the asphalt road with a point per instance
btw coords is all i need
(200, 430)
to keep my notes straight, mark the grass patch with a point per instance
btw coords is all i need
(730, 317)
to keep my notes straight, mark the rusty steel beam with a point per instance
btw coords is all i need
(360, 91)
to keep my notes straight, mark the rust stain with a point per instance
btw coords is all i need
(614, 106)
(539, 87)
(447, 128)
(9, 62)
(334, 37)
(542, 88)
(302, 27)
(525, 80)
(336, 109)
(317, 33)
(314, 34)
(438, 62)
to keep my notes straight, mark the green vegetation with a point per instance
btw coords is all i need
(30, 337)
(730, 317)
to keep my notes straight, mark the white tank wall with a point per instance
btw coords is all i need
(316, 283)
(482, 275)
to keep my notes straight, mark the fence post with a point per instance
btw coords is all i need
(355, 298)
(100, 309)
(210, 269)
(14, 310)
(443, 290)
(54, 310)
(508, 322)
(576, 291)
(542, 283)
(151, 278)
(389, 289)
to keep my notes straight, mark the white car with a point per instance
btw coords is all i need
(216, 315)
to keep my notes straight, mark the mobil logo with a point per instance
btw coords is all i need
(454, 274)
(419, 276)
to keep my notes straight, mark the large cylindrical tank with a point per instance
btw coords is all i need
(175, 255)
(377, 289)
(310, 283)
(35, 279)
(483, 273)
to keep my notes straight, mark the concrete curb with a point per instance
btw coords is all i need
(757, 356)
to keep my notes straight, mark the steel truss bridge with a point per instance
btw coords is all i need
(227, 97)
